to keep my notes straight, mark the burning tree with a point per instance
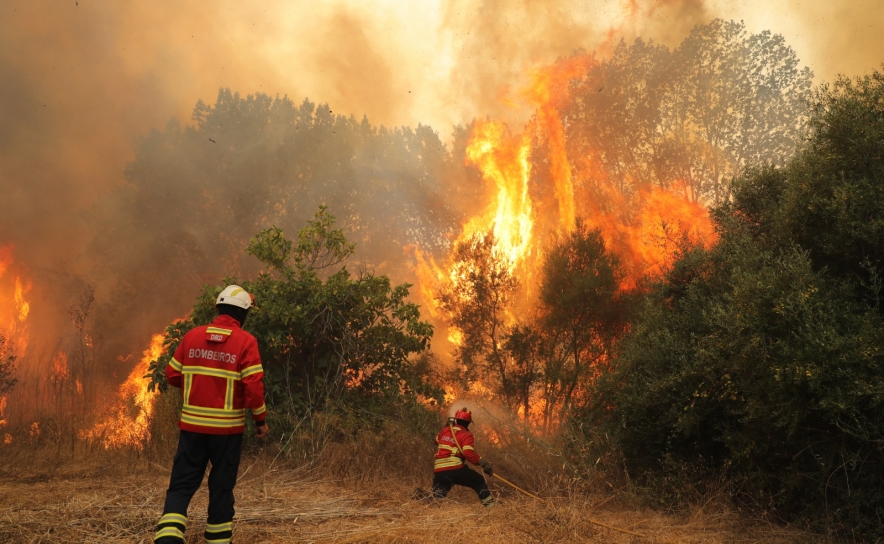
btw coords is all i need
(477, 300)
(583, 313)
(692, 117)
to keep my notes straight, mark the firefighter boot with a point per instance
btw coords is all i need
(488, 502)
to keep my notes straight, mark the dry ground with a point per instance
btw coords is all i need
(105, 503)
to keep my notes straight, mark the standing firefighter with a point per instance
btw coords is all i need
(219, 372)
(455, 444)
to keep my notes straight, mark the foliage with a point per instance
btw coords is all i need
(476, 303)
(528, 354)
(764, 356)
(833, 207)
(582, 315)
(344, 340)
(722, 100)
(197, 192)
(558, 352)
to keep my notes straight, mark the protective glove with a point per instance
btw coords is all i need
(486, 467)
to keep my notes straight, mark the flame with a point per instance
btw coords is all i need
(123, 427)
(21, 305)
(503, 160)
(430, 277)
(549, 92)
(645, 227)
(60, 372)
(13, 317)
(663, 220)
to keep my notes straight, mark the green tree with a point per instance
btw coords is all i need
(476, 301)
(722, 100)
(763, 356)
(196, 193)
(833, 203)
(525, 347)
(582, 313)
(323, 333)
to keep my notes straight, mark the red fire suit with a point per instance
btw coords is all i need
(219, 372)
(449, 468)
(448, 455)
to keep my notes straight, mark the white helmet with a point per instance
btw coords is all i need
(235, 296)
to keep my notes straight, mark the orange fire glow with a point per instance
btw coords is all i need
(129, 422)
(15, 286)
(644, 229)
(503, 160)
(60, 370)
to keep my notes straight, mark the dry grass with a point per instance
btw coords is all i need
(92, 502)
(358, 490)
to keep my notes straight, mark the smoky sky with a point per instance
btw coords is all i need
(81, 80)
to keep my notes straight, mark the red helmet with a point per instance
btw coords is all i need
(464, 415)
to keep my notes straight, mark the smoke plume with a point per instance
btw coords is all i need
(84, 81)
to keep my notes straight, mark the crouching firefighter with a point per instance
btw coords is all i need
(455, 445)
(219, 372)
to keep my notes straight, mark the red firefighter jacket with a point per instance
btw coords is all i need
(448, 456)
(219, 372)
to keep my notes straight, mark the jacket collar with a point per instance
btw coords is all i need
(226, 321)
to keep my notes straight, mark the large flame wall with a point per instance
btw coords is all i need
(644, 229)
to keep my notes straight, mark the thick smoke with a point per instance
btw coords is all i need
(83, 81)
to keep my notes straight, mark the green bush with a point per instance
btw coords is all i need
(329, 341)
(763, 357)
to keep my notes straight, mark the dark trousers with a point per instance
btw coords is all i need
(195, 450)
(445, 480)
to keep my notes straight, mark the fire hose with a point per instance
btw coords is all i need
(532, 495)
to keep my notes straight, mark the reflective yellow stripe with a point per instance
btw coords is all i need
(175, 364)
(203, 410)
(188, 378)
(232, 414)
(206, 371)
(169, 531)
(219, 417)
(259, 411)
(252, 370)
(448, 462)
(449, 448)
(173, 518)
(216, 330)
(228, 395)
(211, 422)
(218, 527)
(467, 448)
